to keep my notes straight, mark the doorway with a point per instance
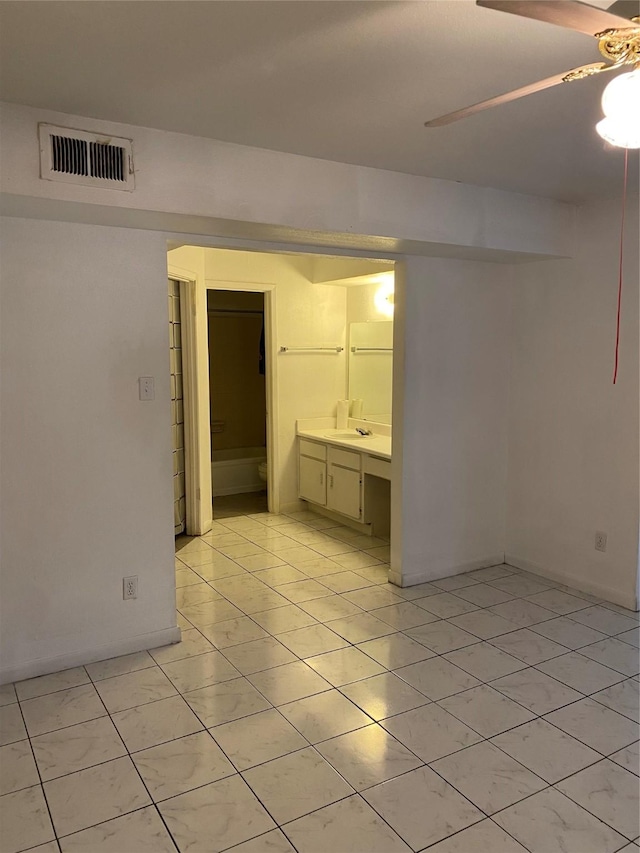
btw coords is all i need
(237, 351)
(310, 304)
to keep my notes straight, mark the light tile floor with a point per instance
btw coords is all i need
(313, 707)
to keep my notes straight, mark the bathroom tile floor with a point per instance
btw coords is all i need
(311, 706)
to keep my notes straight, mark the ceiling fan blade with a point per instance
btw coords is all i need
(625, 8)
(572, 14)
(575, 74)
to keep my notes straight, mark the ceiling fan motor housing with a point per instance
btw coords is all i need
(622, 46)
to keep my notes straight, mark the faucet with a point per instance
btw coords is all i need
(363, 431)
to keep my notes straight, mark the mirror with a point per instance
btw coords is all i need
(371, 368)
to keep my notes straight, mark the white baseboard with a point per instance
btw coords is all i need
(293, 506)
(615, 596)
(43, 666)
(411, 578)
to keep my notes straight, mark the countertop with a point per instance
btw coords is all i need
(378, 445)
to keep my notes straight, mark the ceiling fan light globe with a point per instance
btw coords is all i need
(623, 132)
(622, 95)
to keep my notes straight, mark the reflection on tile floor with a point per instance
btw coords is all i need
(313, 707)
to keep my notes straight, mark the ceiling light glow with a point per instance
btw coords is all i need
(621, 106)
(623, 134)
(383, 298)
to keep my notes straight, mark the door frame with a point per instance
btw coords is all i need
(271, 376)
(197, 439)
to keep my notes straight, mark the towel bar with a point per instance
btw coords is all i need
(371, 349)
(311, 349)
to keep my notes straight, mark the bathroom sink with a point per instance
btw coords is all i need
(346, 434)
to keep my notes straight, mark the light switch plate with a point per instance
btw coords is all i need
(146, 388)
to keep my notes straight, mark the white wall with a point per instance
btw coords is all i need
(86, 478)
(454, 359)
(86, 468)
(573, 446)
(325, 270)
(86, 475)
(361, 304)
(284, 196)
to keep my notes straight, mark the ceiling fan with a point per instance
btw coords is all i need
(618, 32)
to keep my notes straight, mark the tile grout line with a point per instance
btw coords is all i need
(453, 593)
(549, 785)
(423, 763)
(303, 660)
(371, 585)
(64, 775)
(537, 716)
(41, 784)
(484, 740)
(135, 767)
(372, 722)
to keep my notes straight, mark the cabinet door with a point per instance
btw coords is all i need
(343, 494)
(312, 485)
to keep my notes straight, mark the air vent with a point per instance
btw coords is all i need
(79, 157)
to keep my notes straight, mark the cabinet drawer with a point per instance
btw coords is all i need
(315, 451)
(378, 467)
(344, 458)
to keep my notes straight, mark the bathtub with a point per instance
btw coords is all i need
(236, 471)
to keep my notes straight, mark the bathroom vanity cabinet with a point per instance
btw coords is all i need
(331, 477)
(335, 475)
(312, 472)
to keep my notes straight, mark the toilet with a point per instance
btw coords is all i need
(262, 471)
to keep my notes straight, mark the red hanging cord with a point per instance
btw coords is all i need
(624, 204)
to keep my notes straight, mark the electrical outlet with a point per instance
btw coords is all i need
(130, 587)
(601, 541)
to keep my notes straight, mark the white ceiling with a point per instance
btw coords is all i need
(346, 81)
